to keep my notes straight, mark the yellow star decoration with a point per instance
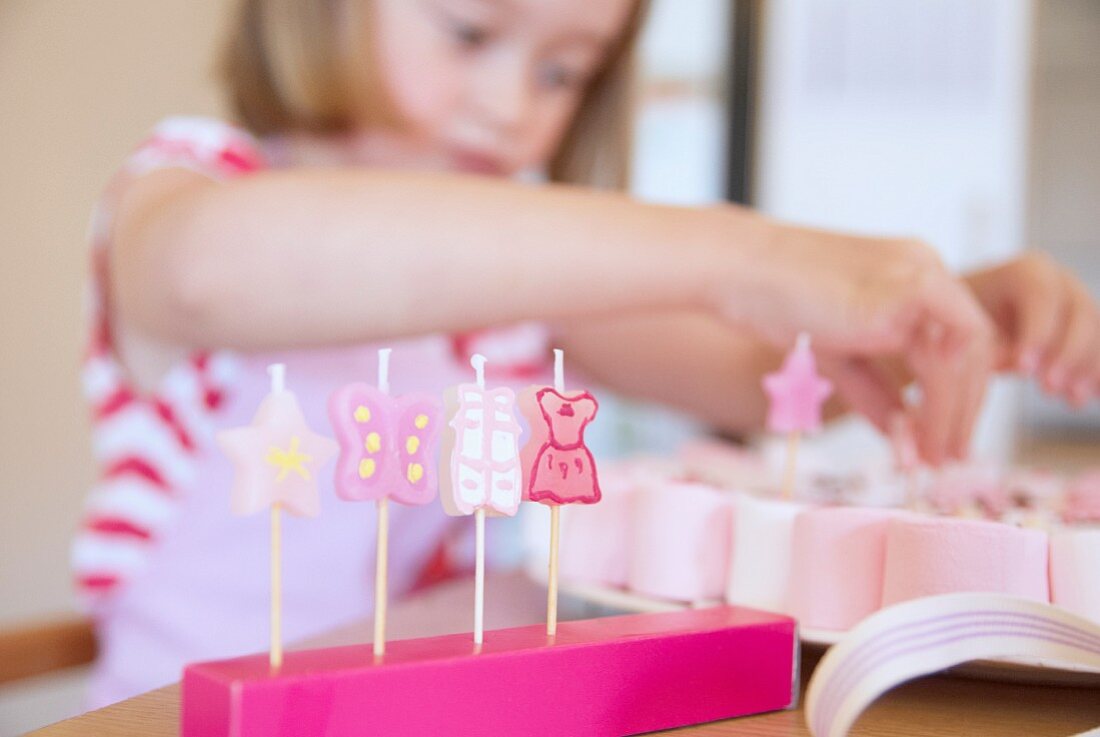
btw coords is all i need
(289, 460)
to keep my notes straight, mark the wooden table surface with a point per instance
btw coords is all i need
(932, 707)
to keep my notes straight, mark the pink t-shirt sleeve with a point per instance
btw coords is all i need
(145, 441)
(211, 147)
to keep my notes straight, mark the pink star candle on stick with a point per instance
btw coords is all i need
(277, 458)
(387, 451)
(558, 467)
(481, 467)
(797, 393)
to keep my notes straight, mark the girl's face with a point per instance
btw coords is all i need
(489, 86)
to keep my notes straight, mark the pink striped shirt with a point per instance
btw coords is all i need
(169, 574)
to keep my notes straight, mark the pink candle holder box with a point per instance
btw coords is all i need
(610, 676)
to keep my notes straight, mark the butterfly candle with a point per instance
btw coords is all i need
(387, 451)
(796, 393)
(558, 467)
(481, 466)
(277, 458)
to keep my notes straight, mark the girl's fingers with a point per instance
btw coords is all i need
(1075, 345)
(937, 412)
(867, 388)
(1039, 312)
(950, 316)
(973, 382)
(1084, 369)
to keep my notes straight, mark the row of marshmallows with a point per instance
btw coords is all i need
(661, 536)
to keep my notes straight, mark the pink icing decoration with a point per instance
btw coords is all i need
(383, 451)
(1082, 503)
(558, 467)
(277, 458)
(797, 392)
(483, 470)
(958, 487)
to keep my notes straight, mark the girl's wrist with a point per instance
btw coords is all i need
(740, 276)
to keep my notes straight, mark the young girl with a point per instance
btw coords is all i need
(372, 197)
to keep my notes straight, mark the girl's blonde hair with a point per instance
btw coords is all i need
(292, 65)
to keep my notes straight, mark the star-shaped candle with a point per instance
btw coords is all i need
(796, 393)
(277, 460)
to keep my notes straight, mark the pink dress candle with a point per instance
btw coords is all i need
(560, 468)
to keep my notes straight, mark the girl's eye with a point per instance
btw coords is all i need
(556, 76)
(468, 35)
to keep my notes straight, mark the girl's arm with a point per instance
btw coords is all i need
(337, 256)
(695, 363)
(325, 256)
(688, 360)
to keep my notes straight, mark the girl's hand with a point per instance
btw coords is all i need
(1048, 325)
(867, 302)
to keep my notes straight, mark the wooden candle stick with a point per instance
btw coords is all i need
(796, 393)
(387, 451)
(558, 467)
(481, 468)
(277, 458)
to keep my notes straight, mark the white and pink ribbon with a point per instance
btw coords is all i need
(927, 635)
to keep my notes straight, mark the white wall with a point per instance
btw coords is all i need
(1065, 166)
(80, 82)
(904, 118)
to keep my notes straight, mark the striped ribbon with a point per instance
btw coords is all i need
(927, 635)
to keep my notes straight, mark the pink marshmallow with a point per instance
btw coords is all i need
(1075, 570)
(760, 556)
(595, 538)
(680, 540)
(929, 555)
(838, 556)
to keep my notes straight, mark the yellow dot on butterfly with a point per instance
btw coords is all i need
(362, 414)
(415, 472)
(366, 468)
(373, 443)
(412, 444)
(421, 422)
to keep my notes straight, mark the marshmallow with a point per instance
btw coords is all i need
(1075, 570)
(759, 568)
(595, 539)
(837, 560)
(938, 555)
(679, 541)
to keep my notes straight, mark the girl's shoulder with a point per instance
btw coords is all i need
(206, 145)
